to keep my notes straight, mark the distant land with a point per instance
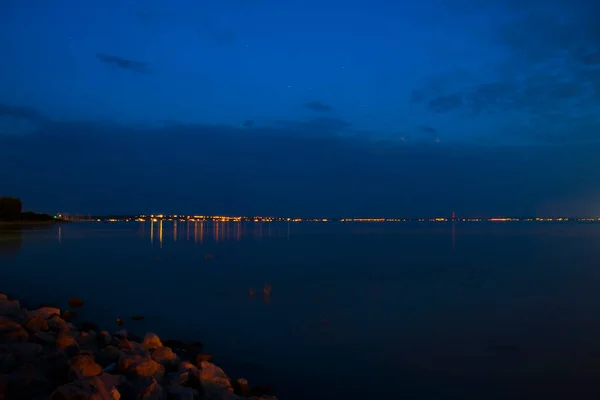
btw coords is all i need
(222, 218)
(11, 213)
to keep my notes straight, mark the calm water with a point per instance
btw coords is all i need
(427, 311)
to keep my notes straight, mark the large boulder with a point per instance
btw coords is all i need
(45, 312)
(11, 308)
(215, 382)
(11, 331)
(151, 341)
(84, 366)
(36, 323)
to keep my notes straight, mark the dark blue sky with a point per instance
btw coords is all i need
(301, 107)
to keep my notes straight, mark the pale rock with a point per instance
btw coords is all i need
(151, 341)
(164, 355)
(64, 341)
(45, 312)
(215, 382)
(84, 366)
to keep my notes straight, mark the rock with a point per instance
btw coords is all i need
(125, 344)
(88, 326)
(85, 390)
(149, 368)
(45, 312)
(64, 341)
(151, 341)
(147, 389)
(164, 355)
(23, 351)
(84, 366)
(69, 316)
(8, 362)
(11, 331)
(36, 323)
(10, 308)
(240, 387)
(215, 382)
(103, 338)
(57, 324)
(203, 357)
(22, 376)
(141, 366)
(3, 297)
(109, 355)
(177, 392)
(266, 397)
(42, 338)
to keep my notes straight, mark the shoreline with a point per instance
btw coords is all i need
(21, 223)
(45, 354)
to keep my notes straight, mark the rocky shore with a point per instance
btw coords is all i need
(44, 356)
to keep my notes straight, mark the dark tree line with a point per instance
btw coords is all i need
(10, 208)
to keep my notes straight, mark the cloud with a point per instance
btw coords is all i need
(290, 168)
(124, 63)
(444, 104)
(318, 107)
(427, 129)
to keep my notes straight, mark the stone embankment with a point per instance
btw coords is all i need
(42, 356)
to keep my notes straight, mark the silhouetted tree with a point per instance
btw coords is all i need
(10, 208)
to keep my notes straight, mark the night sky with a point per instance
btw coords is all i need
(301, 108)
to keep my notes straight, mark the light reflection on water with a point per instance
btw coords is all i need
(430, 306)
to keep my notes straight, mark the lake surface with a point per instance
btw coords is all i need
(426, 311)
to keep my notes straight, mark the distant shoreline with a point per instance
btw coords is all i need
(32, 223)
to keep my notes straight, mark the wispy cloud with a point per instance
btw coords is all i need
(318, 106)
(124, 63)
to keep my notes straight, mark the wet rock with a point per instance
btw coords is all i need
(84, 366)
(45, 312)
(164, 355)
(36, 323)
(151, 341)
(11, 331)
